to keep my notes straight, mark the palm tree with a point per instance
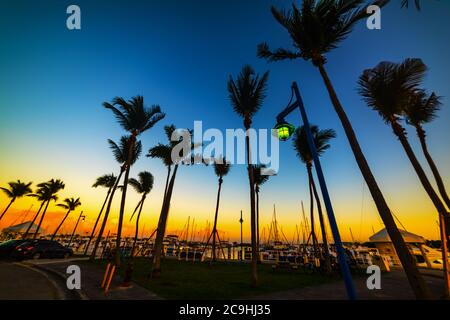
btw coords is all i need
(422, 109)
(321, 141)
(17, 189)
(259, 178)
(162, 152)
(387, 89)
(221, 169)
(106, 181)
(70, 204)
(315, 29)
(135, 118)
(120, 152)
(142, 186)
(51, 187)
(247, 94)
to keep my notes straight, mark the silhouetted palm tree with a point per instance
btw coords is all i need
(120, 152)
(321, 141)
(135, 118)
(422, 109)
(40, 195)
(259, 178)
(247, 94)
(183, 159)
(142, 186)
(221, 169)
(17, 189)
(164, 153)
(106, 181)
(70, 204)
(387, 89)
(315, 29)
(51, 188)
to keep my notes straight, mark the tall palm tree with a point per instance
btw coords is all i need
(51, 187)
(259, 180)
(387, 88)
(135, 118)
(120, 152)
(17, 189)
(422, 109)
(70, 204)
(162, 222)
(106, 181)
(142, 186)
(315, 29)
(221, 169)
(321, 141)
(164, 152)
(247, 94)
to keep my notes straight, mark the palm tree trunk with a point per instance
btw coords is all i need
(399, 131)
(437, 176)
(215, 221)
(136, 234)
(415, 279)
(59, 226)
(105, 218)
(42, 219)
(122, 203)
(156, 268)
(169, 169)
(6, 209)
(96, 222)
(322, 223)
(254, 264)
(25, 235)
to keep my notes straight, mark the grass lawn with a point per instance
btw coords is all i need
(201, 280)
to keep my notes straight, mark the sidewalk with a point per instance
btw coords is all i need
(91, 278)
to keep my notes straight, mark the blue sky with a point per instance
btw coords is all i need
(179, 54)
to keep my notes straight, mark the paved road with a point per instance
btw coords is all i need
(394, 286)
(21, 282)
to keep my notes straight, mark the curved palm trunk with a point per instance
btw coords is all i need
(156, 269)
(42, 219)
(105, 218)
(25, 235)
(122, 203)
(415, 279)
(96, 222)
(136, 234)
(6, 209)
(437, 176)
(322, 223)
(254, 264)
(400, 133)
(59, 226)
(215, 221)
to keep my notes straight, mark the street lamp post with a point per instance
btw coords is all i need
(74, 229)
(285, 130)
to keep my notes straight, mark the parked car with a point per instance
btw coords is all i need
(7, 247)
(36, 249)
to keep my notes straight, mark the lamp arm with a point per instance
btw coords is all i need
(287, 111)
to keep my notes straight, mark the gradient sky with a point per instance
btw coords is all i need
(178, 54)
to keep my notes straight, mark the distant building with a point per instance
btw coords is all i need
(19, 229)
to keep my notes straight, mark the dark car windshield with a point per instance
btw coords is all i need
(10, 243)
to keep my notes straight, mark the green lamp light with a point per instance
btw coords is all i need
(284, 130)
